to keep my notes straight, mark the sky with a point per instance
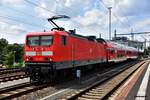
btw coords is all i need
(88, 17)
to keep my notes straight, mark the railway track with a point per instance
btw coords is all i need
(19, 89)
(22, 89)
(86, 81)
(12, 76)
(9, 74)
(108, 83)
(10, 70)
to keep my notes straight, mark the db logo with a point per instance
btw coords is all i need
(38, 53)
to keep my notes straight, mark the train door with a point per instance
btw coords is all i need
(108, 54)
(72, 53)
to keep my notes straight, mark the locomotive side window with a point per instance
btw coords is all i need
(112, 51)
(46, 40)
(63, 39)
(33, 41)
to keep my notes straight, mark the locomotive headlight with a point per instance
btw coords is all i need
(50, 59)
(30, 53)
(47, 53)
(27, 59)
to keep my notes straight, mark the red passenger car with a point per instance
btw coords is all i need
(118, 52)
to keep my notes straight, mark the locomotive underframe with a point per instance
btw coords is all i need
(45, 72)
(40, 72)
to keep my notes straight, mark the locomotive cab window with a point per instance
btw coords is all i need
(33, 41)
(46, 40)
(63, 40)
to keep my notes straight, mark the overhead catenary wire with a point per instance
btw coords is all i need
(35, 4)
(127, 29)
(20, 21)
(21, 12)
(103, 4)
(129, 21)
(12, 24)
(126, 18)
(44, 8)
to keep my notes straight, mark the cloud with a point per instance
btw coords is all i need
(132, 7)
(72, 8)
(90, 17)
(85, 17)
(143, 25)
(12, 32)
(14, 29)
(44, 13)
(14, 3)
(108, 3)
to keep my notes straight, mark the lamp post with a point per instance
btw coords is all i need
(109, 8)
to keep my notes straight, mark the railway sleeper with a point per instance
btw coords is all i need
(93, 94)
(91, 97)
(82, 98)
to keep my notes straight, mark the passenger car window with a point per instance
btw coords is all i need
(63, 39)
(112, 51)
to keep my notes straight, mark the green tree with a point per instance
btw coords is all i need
(18, 53)
(9, 59)
(13, 52)
(3, 45)
(10, 51)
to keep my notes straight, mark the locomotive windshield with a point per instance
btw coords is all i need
(33, 41)
(46, 40)
(40, 40)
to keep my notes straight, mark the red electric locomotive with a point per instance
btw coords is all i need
(48, 52)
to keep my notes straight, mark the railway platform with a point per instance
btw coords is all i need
(137, 87)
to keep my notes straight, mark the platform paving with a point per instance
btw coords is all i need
(141, 89)
(137, 87)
